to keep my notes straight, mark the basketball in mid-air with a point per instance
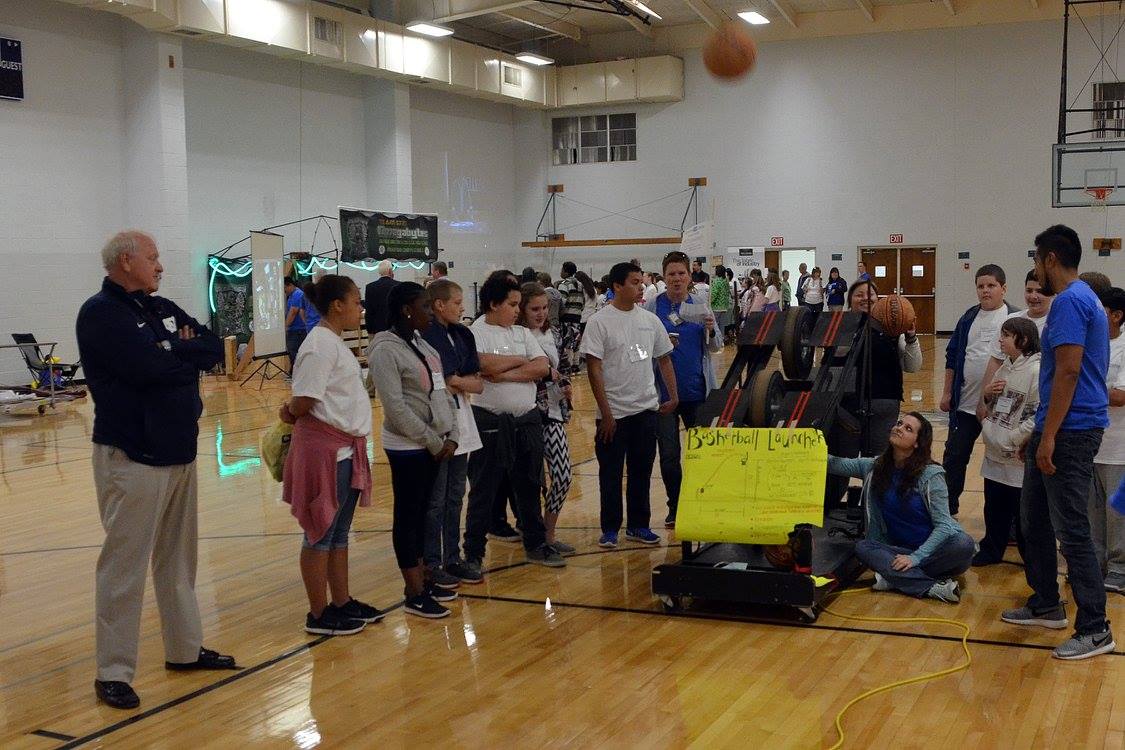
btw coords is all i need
(730, 52)
(894, 313)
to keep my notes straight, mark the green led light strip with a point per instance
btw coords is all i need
(219, 268)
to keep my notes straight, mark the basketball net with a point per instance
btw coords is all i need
(1100, 203)
(1099, 198)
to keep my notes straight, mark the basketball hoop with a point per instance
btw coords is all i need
(1100, 198)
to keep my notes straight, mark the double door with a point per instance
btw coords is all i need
(908, 271)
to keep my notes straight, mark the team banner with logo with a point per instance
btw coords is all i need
(379, 236)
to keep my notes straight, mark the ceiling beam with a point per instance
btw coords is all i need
(459, 9)
(638, 25)
(709, 15)
(949, 6)
(867, 8)
(543, 21)
(786, 11)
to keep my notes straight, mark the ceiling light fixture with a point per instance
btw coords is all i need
(429, 28)
(534, 59)
(753, 17)
(645, 9)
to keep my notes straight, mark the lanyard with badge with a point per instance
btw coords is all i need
(437, 378)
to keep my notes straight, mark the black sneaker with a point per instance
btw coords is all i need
(670, 521)
(116, 694)
(983, 559)
(467, 572)
(357, 610)
(424, 605)
(504, 533)
(439, 594)
(332, 622)
(442, 579)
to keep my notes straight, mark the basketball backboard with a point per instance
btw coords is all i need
(1081, 172)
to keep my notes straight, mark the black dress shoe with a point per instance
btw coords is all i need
(116, 694)
(208, 659)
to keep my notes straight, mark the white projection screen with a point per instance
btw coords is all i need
(267, 252)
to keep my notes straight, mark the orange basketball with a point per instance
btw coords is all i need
(894, 313)
(730, 52)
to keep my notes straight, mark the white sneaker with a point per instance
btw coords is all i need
(945, 591)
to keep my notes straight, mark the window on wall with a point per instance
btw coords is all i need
(593, 139)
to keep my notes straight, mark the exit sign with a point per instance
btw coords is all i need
(896, 239)
(777, 241)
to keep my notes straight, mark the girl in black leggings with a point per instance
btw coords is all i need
(419, 429)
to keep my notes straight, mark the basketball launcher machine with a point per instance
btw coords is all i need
(797, 395)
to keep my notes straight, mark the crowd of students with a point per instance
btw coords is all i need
(486, 407)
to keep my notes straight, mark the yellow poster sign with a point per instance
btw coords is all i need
(751, 485)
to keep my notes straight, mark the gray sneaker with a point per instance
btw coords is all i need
(1052, 618)
(880, 584)
(546, 555)
(1085, 646)
(442, 579)
(563, 548)
(945, 591)
(1115, 582)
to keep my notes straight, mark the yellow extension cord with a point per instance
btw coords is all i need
(920, 678)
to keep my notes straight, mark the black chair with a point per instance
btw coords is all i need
(37, 363)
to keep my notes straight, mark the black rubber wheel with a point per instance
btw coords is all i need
(767, 393)
(796, 356)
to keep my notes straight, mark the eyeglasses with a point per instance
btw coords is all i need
(676, 255)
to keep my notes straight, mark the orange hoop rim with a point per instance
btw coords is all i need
(1099, 194)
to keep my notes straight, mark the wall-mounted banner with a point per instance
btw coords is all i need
(379, 236)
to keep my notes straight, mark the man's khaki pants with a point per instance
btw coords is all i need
(147, 512)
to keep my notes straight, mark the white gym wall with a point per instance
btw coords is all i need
(943, 136)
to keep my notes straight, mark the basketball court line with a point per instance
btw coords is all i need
(763, 621)
(52, 735)
(248, 671)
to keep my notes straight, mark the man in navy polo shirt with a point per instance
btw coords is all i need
(1059, 457)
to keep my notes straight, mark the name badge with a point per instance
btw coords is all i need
(1004, 405)
(675, 319)
(439, 381)
(637, 353)
(170, 324)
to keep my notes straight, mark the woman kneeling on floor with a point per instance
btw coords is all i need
(912, 543)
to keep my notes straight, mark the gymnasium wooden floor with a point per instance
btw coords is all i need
(580, 657)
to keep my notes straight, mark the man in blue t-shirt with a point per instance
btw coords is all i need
(1059, 457)
(295, 327)
(687, 318)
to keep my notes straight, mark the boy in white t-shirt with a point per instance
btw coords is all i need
(1038, 306)
(511, 430)
(620, 343)
(1107, 525)
(966, 358)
